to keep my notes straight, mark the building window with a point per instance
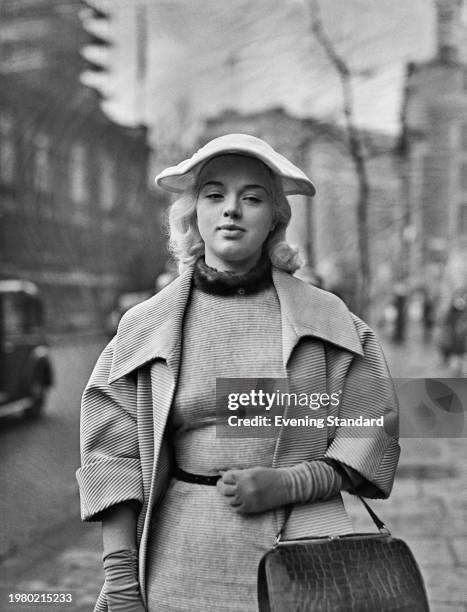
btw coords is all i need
(108, 189)
(7, 149)
(78, 174)
(463, 219)
(41, 163)
(463, 176)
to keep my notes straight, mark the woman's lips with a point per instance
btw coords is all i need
(231, 231)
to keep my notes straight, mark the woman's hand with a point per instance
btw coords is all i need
(261, 488)
(255, 489)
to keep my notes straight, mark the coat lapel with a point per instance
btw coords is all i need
(312, 314)
(309, 311)
(309, 314)
(153, 330)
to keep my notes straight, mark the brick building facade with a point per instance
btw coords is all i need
(76, 213)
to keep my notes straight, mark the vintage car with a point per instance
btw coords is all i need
(25, 366)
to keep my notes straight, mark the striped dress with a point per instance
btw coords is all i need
(202, 555)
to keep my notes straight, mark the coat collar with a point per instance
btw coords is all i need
(309, 311)
(153, 329)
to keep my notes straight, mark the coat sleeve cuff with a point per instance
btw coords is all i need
(107, 482)
(373, 458)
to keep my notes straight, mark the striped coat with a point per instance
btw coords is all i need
(125, 454)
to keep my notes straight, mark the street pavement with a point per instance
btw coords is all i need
(427, 508)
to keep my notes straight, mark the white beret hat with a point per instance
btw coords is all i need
(177, 178)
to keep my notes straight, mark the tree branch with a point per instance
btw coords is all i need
(356, 150)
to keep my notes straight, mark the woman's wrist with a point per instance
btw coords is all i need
(119, 528)
(127, 555)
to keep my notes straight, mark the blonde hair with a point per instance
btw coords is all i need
(186, 244)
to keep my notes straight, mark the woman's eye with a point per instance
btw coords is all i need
(213, 196)
(252, 198)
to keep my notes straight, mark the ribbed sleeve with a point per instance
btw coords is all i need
(368, 392)
(110, 470)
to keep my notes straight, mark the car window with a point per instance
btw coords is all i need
(14, 315)
(35, 313)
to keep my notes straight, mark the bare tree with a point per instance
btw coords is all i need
(357, 153)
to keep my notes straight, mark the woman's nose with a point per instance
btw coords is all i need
(232, 208)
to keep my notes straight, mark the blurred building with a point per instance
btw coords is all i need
(325, 227)
(116, 51)
(76, 213)
(434, 151)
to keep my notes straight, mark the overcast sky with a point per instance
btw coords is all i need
(207, 55)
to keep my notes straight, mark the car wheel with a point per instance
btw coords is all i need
(37, 394)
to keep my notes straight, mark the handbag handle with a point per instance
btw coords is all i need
(377, 521)
(381, 526)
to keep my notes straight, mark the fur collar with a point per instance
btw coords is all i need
(211, 280)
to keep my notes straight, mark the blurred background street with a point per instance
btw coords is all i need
(96, 96)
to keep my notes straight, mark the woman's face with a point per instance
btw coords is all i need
(235, 211)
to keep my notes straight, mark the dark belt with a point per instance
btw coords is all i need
(196, 478)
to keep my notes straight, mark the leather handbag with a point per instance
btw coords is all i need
(357, 572)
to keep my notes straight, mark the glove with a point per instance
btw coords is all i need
(258, 489)
(121, 581)
(311, 481)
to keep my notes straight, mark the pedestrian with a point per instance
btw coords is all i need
(400, 309)
(187, 514)
(453, 332)
(428, 314)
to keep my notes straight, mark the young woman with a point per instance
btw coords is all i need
(186, 513)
